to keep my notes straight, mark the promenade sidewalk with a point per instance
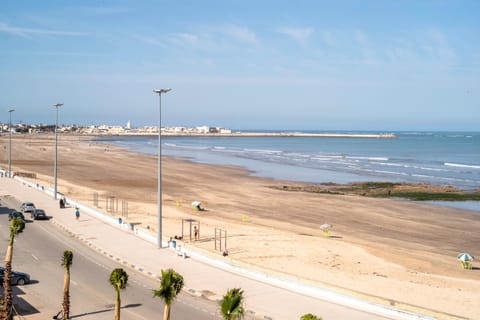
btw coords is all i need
(267, 296)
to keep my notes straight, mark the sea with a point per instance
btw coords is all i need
(441, 158)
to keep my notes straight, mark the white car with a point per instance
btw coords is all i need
(27, 207)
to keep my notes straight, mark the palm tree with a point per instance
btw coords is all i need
(118, 279)
(310, 316)
(170, 286)
(231, 306)
(16, 226)
(66, 263)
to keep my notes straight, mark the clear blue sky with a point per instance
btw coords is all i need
(249, 64)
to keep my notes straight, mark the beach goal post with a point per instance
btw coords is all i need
(220, 239)
(95, 199)
(193, 228)
(111, 203)
(125, 208)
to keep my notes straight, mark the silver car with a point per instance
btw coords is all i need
(27, 207)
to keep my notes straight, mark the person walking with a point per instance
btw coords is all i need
(195, 233)
(77, 213)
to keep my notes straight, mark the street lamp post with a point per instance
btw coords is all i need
(10, 145)
(57, 105)
(159, 195)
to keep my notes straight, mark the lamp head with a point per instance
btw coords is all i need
(11, 110)
(160, 91)
(58, 105)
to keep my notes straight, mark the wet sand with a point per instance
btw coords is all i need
(386, 250)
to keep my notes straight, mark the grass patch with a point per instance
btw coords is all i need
(433, 196)
(416, 192)
(375, 185)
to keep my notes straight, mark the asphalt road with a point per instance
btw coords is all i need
(39, 250)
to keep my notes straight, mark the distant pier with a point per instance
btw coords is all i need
(285, 134)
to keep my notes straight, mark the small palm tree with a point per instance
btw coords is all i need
(16, 227)
(170, 286)
(310, 316)
(118, 279)
(231, 306)
(67, 260)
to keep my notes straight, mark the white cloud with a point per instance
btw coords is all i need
(426, 48)
(184, 38)
(106, 10)
(242, 34)
(299, 35)
(27, 32)
(328, 38)
(149, 40)
(437, 47)
(366, 50)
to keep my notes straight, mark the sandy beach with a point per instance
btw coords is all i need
(386, 250)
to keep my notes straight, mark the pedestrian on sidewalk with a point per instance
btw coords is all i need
(77, 213)
(62, 204)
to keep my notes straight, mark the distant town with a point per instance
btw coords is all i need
(170, 131)
(112, 130)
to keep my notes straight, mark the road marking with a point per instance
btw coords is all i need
(34, 257)
(74, 282)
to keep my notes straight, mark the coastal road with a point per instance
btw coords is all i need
(264, 297)
(38, 251)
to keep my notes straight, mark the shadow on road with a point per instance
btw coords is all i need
(21, 306)
(132, 305)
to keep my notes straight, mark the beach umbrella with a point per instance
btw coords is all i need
(326, 229)
(465, 257)
(325, 226)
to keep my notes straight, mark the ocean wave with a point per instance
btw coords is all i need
(330, 156)
(321, 158)
(387, 172)
(297, 154)
(262, 150)
(390, 164)
(400, 165)
(368, 158)
(461, 165)
(228, 150)
(188, 147)
(443, 178)
(332, 161)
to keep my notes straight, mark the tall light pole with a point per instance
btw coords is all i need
(57, 105)
(10, 145)
(159, 196)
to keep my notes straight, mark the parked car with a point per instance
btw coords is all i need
(15, 214)
(38, 214)
(17, 278)
(27, 207)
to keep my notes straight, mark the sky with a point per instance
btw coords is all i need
(250, 64)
